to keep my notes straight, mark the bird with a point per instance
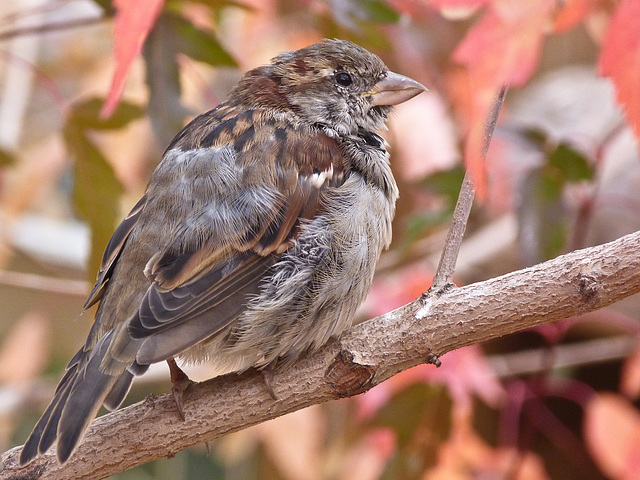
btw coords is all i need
(255, 241)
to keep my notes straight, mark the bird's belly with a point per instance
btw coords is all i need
(311, 294)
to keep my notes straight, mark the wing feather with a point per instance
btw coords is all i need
(112, 252)
(198, 289)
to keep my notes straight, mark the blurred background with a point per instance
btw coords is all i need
(558, 401)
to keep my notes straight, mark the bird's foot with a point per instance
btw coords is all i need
(180, 382)
(267, 376)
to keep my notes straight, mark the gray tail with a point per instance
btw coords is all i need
(78, 397)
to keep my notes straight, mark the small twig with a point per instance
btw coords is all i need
(444, 274)
(45, 284)
(47, 84)
(571, 355)
(51, 27)
(37, 10)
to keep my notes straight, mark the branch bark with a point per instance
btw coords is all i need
(373, 351)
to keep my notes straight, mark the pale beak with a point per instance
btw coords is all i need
(394, 89)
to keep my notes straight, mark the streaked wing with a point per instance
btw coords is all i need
(199, 287)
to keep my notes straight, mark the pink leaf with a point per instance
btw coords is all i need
(133, 22)
(612, 434)
(630, 381)
(465, 372)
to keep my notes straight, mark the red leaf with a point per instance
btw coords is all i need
(133, 22)
(391, 292)
(620, 59)
(503, 47)
(465, 372)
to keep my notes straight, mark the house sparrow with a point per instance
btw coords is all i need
(256, 239)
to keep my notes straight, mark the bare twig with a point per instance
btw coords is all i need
(571, 355)
(444, 274)
(42, 78)
(370, 353)
(45, 284)
(50, 27)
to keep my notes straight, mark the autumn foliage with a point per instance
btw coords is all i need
(559, 401)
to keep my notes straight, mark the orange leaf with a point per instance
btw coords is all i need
(572, 13)
(294, 442)
(503, 47)
(133, 22)
(612, 434)
(466, 455)
(620, 59)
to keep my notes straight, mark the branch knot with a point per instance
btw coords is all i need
(347, 377)
(588, 287)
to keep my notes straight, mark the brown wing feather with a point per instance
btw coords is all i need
(112, 252)
(207, 285)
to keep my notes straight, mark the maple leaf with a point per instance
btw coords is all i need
(503, 47)
(133, 21)
(620, 59)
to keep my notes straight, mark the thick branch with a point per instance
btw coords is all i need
(370, 353)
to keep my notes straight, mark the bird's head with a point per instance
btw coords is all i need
(334, 84)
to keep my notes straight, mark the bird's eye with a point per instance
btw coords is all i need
(344, 79)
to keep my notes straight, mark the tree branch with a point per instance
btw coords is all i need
(373, 351)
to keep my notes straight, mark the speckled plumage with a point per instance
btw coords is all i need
(256, 239)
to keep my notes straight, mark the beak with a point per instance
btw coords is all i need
(394, 89)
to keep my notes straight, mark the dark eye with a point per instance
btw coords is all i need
(344, 79)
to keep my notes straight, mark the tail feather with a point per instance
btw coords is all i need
(50, 432)
(79, 395)
(89, 391)
(119, 391)
(35, 444)
(122, 386)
